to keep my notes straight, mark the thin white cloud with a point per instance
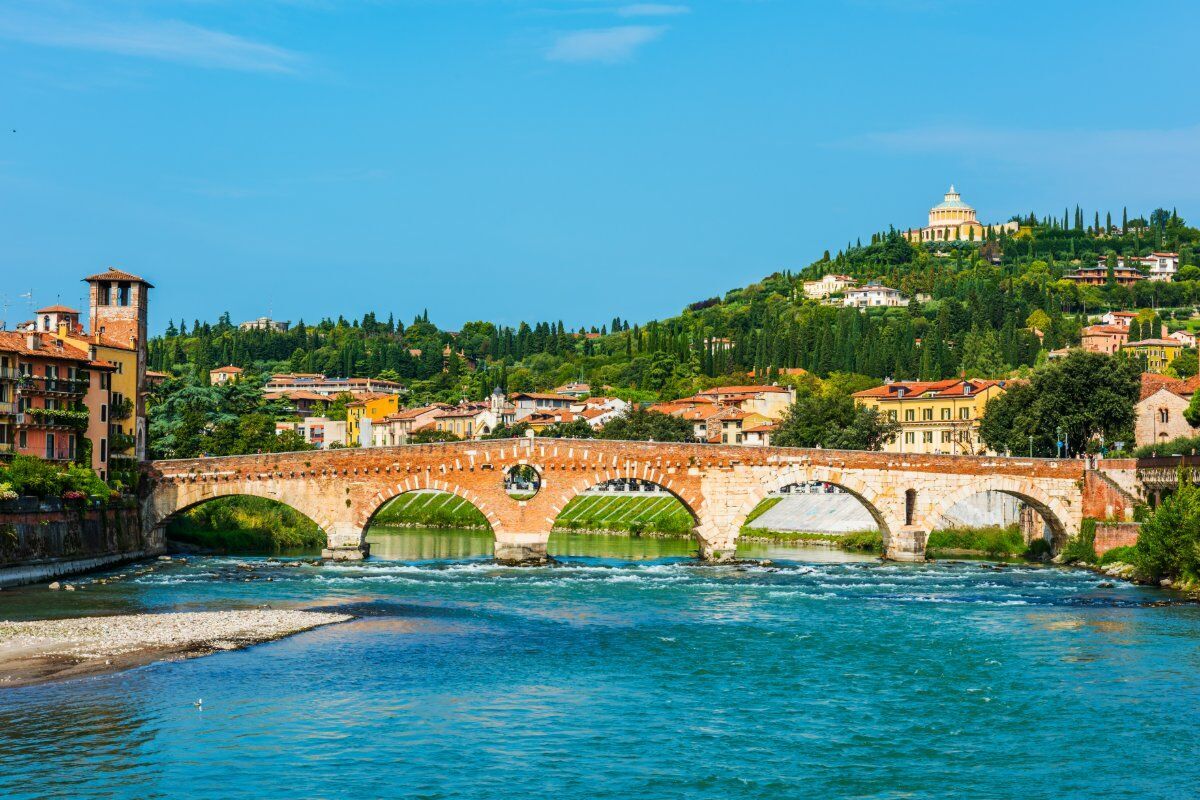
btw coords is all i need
(1038, 146)
(652, 10)
(165, 40)
(605, 45)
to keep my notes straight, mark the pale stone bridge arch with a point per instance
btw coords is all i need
(719, 484)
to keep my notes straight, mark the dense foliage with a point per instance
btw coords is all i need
(1074, 400)
(828, 417)
(1169, 542)
(189, 420)
(246, 525)
(31, 476)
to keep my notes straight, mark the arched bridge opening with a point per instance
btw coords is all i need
(814, 512)
(626, 517)
(428, 524)
(245, 524)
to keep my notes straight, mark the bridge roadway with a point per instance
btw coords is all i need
(342, 489)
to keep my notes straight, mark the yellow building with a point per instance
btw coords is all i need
(953, 220)
(376, 407)
(936, 417)
(1159, 353)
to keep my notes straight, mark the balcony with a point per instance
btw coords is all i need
(9, 374)
(40, 384)
(52, 418)
(7, 409)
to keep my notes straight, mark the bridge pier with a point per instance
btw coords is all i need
(345, 543)
(521, 548)
(906, 543)
(717, 550)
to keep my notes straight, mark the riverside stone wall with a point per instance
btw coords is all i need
(41, 545)
(1116, 534)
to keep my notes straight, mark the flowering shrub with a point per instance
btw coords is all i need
(7, 493)
(74, 496)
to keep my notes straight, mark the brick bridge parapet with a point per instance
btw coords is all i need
(341, 489)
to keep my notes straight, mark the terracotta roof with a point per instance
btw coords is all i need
(950, 387)
(1153, 382)
(1105, 330)
(57, 309)
(151, 373)
(16, 342)
(118, 275)
(766, 428)
(753, 389)
(230, 370)
(592, 413)
(1154, 342)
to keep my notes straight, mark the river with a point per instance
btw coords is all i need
(628, 671)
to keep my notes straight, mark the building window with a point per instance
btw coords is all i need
(1164, 416)
(103, 450)
(946, 413)
(945, 437)
(909, 415)
(927, 437)
(892, 415)
(910, 438)
(926, 414)
(104, 412)
(964, 413)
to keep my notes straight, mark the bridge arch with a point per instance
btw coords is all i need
(1053, 512)
(853, 484)
(157, 514)
(562, 491)
(367, 511)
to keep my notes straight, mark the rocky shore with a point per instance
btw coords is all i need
(46, 650)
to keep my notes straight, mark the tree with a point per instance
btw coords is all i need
(1083, 396)
(832, 420)
(981, 355)
(1169, 542)
(1192, 412)
(1185, 365)
(638, 424)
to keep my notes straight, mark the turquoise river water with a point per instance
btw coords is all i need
(628, 671)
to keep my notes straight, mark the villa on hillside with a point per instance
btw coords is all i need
(874, 295)
(953, 220)
(828, 285)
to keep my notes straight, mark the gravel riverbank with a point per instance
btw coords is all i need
(45, 650)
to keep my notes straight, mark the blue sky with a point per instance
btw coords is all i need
(573, 159)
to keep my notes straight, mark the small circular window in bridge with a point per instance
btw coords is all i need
(522, 482)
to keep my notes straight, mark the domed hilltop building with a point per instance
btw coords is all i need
(952, 220)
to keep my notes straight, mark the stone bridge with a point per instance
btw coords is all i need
(342, 489)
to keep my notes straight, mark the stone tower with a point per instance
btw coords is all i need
(118, 316)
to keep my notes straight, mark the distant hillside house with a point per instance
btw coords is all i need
(1122, 318)
(874, 295)
(1159, 353)
(223, 375)
(265, 324)
(952, 220)
(829, 284)
(1157, 266)
(1106, 339)
(1098, 275)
